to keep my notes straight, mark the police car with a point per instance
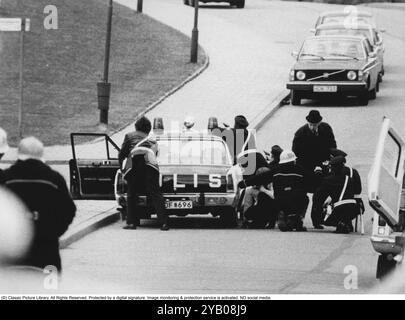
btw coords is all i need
(197, 175)
(386, 193)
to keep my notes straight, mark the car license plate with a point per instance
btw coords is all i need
(182, 205)
(325, 88)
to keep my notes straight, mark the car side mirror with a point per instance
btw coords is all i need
(294, 54)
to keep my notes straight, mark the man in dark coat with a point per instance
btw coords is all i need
(45, 194)
(239, 138)
(289, 185)
(341, 189)
(142, 175)
(312, 144)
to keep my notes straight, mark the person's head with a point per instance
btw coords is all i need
(143, 125)
(275, 153)
(336, 153)
(3, 143)
(337, 164)
(189, 122)
(241, 122)
(287, 157)
(314, 119)
(30, 148)
(261, 171)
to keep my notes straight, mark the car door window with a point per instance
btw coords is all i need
(387, 173)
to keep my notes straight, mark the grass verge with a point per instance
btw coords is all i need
(63, 66)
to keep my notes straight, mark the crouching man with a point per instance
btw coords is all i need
(341, 189)
(289, 185)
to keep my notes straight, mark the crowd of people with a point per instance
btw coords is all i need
(275, 185)
(278, 190)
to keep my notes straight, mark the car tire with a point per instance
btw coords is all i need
(240, 4)
(373, 93)
(295, 98)
(229, 218)
(385, 266)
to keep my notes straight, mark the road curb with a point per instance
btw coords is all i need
(92, 224)
(262, 117)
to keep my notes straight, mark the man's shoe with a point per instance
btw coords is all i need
(129, 227)
(319, 227)
(165, 227)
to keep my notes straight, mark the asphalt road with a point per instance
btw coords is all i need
(198, 257)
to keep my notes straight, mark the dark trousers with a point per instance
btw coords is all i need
(43, 253)
(265, 211)
(145, 180)
(293, 208)
(344, 213)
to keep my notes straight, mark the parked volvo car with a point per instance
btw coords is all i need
(357, 29)
(348, 15)
(339, 65)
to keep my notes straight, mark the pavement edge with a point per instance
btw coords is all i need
(92, 224)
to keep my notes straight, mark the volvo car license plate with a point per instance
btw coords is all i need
(325, 88)
(179, 205)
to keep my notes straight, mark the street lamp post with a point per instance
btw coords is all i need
(194, 35)
(104, 87)
(139, 7)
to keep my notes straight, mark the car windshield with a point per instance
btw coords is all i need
(348, 32)
(349, 19)
(192, 152)
(332, 49)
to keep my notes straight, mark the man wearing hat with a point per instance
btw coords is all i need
(289, 181)
(312, 144)
(3, 149)
(239, 138)
(44, 192)
(341, 189)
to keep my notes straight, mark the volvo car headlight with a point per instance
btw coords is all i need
(300, 75)
(352, 75)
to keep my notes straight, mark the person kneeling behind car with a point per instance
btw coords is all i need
(263, 213)
(289, 185)
(341, 189)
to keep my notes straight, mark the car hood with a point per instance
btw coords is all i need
(329, 64)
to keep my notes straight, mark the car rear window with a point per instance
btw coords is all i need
(193, 152)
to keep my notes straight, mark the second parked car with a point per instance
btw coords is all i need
(335, 65)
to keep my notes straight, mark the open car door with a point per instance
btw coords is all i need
(385, 185)
(93, 167)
